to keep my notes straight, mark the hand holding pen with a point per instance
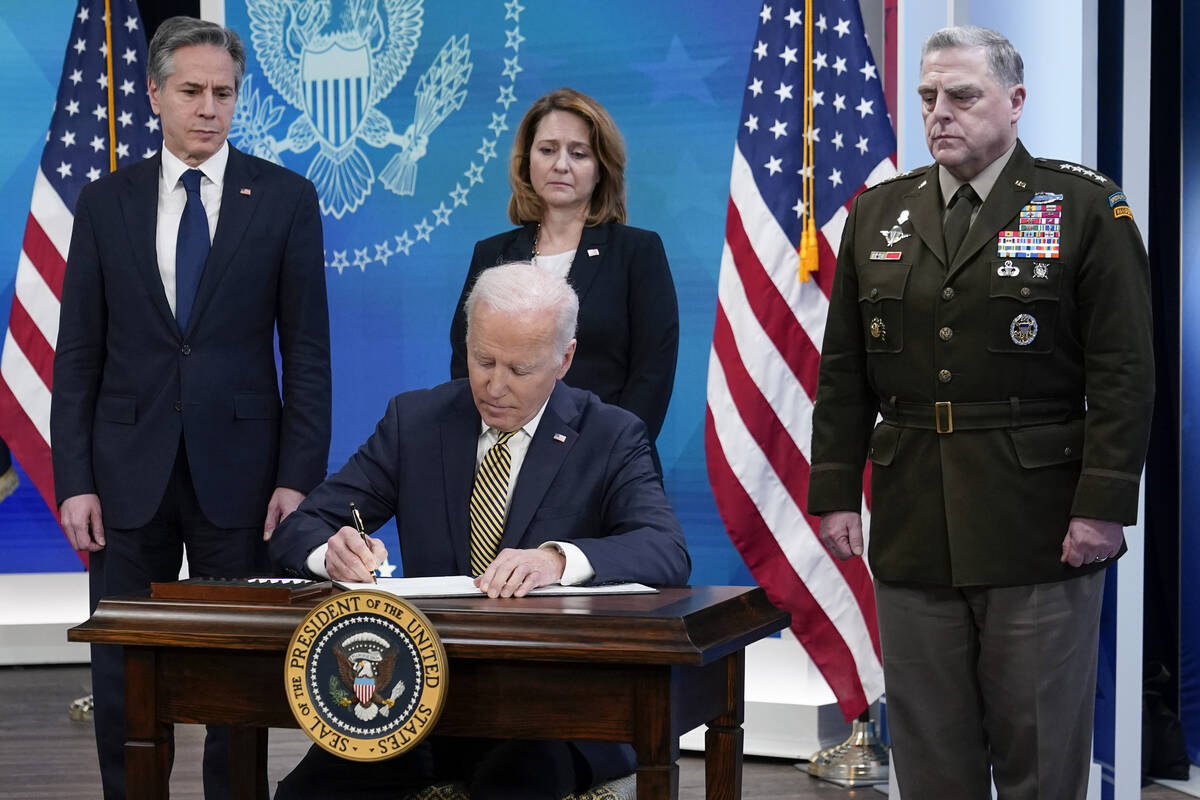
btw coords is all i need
(362, 531)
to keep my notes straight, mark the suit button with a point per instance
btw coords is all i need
(186, 350)
(948, 293)
(945, 375)
(874, 293)
(945, 334)
(178, 405)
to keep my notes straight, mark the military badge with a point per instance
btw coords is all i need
(1041, 271)
(1041, 198)
(1008, 270)
(366, 675)
(896, 234)
(1023, 329)
(886, 255)
(878, 329)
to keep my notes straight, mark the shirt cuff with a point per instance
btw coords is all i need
(578, 569)
(316, 561)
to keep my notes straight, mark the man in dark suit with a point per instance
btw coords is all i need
(995, 310)
(579, 502)
(167, 425)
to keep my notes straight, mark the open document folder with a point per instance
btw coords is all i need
(464, 586)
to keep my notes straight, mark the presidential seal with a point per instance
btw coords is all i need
(366, 675)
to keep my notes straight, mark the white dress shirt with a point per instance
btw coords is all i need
(172, 197)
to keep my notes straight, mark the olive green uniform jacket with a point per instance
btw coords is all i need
(1037, 369)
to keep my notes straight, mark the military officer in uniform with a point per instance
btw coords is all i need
(994, 309)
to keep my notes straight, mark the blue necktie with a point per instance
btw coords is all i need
(191, 248)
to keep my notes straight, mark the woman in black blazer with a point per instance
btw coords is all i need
(568, 176)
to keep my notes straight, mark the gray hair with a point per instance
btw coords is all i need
(522, 288)
(178, 32)
(1003, 59)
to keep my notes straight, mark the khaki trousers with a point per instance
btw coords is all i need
(991, 683)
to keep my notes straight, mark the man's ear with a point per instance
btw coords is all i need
(568, 357)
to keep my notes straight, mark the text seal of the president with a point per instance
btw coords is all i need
(366, 675)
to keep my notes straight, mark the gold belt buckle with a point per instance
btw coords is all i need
(943, 417)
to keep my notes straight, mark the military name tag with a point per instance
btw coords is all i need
(366, 675)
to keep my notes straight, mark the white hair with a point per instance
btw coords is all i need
(521, 288)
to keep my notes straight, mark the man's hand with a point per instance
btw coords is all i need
(350, 559)
(81, 519)
(1091, 540)
(841, 532)
(515, 572)
(283, 502)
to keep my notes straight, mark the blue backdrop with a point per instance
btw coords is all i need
(670, 73)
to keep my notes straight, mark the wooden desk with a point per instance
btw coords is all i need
(635, 668)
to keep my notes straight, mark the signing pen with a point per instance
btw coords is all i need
(358, 526)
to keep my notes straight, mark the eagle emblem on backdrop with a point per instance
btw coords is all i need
(334, 61)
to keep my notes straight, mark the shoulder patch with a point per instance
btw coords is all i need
(1076, 169)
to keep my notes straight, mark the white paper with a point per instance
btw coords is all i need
(464, 586)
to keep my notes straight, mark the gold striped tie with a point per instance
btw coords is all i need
(488, 499)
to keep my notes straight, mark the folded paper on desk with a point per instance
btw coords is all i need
(464, 586)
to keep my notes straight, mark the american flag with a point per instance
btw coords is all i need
(101, 121)
(762, 373)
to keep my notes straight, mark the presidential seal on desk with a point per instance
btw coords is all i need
(365, 675)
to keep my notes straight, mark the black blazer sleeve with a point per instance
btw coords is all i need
(78, 359)
(653, 334)
(303, 323)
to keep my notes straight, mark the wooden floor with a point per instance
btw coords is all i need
(44, 755)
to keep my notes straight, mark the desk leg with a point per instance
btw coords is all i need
(655, 740)
(248, 763)
(723, 739)
(147, 754)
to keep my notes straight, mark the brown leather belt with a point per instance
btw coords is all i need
(946, 417)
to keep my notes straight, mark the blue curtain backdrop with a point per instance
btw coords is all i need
(670, 73)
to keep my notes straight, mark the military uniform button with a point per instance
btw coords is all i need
(945, 375)
(1067, 451)
(874, 293)
(178, 405)
(946, 334)
(1025, 291)
(948, 293)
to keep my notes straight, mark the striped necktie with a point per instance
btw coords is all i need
(488, 499)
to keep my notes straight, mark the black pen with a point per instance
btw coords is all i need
(358, 526)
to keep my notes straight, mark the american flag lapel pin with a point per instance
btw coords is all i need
(245, 191)
(593, 252)
(558, 437)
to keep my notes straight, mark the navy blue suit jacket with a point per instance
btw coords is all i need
(128, 383)
(596, 488)
(628, 316)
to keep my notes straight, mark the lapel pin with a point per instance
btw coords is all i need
(921, 185)
(1020, 184)
(593, 252)
(558, 437)
(246, 192)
